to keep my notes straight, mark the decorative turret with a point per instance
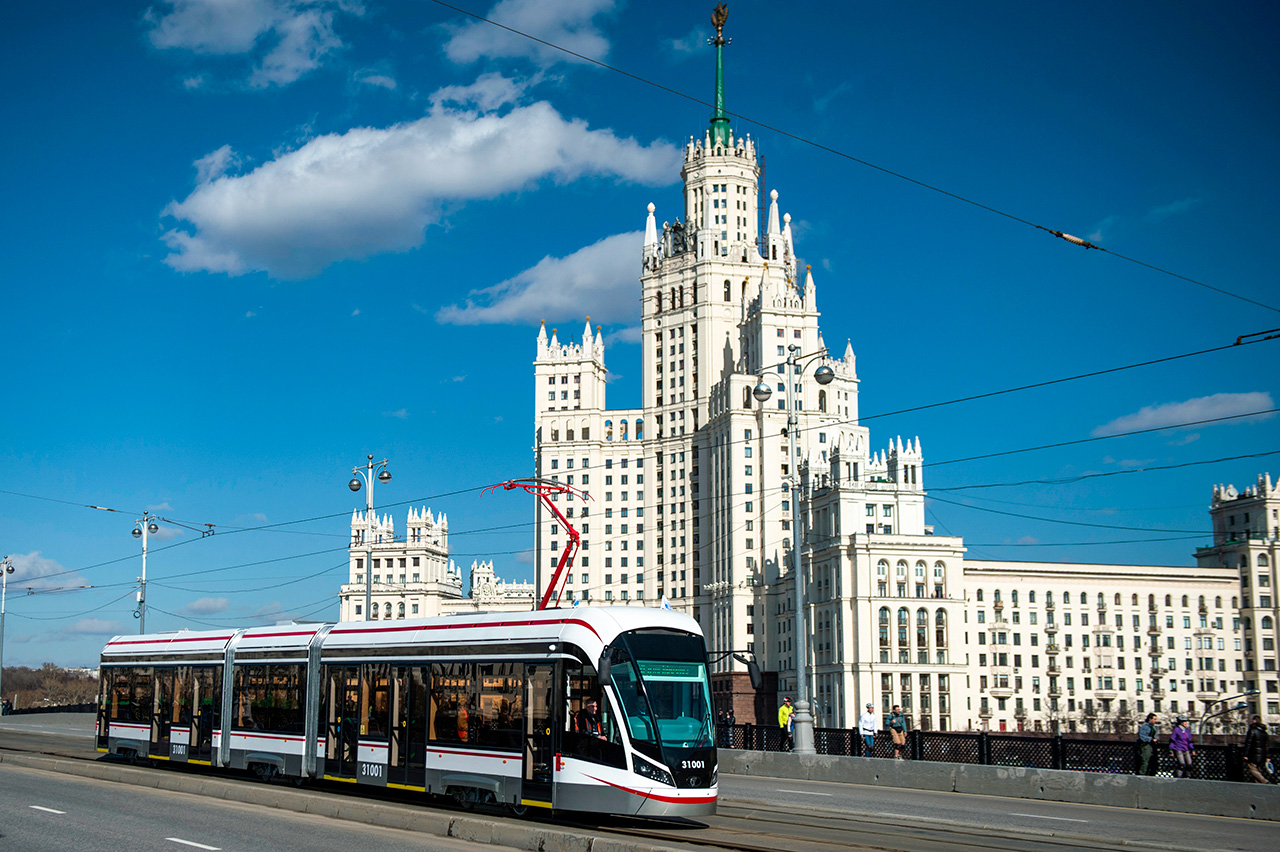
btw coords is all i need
(652, 247)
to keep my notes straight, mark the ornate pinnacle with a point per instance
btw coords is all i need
(720, 118)
(719, 15)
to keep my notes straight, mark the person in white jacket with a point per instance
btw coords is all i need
(867, 728)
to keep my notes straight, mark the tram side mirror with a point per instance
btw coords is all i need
(602, 668)
(753, 672)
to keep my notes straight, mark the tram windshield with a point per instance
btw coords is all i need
(661, 679)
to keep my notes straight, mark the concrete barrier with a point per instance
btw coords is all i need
(1211, 798)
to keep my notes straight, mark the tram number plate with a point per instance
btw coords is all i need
(693, 764)
(176, 750)
(373, 773)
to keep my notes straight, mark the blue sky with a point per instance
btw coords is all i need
(248, 242)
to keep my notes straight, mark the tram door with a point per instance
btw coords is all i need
(406, 765)
(206, 685)
(539, 734)
(179, 713)
(374, 746)
(342, 698)
(161, 720)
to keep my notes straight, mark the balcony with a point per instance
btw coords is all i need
(1153, 630)
(1054, 669)
(1051, 628)
(1001, 691)
(1052, 648)
(1157, 694)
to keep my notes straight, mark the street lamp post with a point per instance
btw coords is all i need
(802, 717)
(1241, 706)
(367, 473)
(144, 526)
(6, 568)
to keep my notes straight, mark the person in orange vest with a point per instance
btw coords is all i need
(588, 719)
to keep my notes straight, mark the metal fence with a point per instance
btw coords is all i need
(1210, 761)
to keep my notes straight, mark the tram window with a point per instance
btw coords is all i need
(131, 695)
(604, 747)
(499, 717)
(270, 698)
(449, 717)
(375, 700)
(626, 684)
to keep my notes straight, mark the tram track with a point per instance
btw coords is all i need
(750, 826)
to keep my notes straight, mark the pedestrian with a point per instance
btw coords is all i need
(867, 727)
(898, 730)
(1147, 739)
(1181, 746)
(785, 722)
(1255, 751)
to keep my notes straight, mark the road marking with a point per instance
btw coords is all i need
(193, 843)
(1059, 819)
(808, 793)
(46, 810)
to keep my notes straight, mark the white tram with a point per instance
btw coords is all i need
(483, 708)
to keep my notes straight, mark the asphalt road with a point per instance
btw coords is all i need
(47, 812)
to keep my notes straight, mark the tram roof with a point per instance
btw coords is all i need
(581, 624)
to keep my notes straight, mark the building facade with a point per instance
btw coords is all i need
(413, 576)
(689, 504)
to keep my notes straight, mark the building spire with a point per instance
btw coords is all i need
(720, 119)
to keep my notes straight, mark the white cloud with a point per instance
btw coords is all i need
(597, 280)
(489, 92)
(291, 37)
(1170, 414)
(356, 312)
(688, 44)
(94, 627)
(627, 334)
(1189, 438)
(1102, 230)
(399, 414)
(380, 80)
(369, 190)
(567, 23)
(207, 606)
(214, 164)
(33, 571)
(1164, 211)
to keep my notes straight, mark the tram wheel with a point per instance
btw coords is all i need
(518, 810)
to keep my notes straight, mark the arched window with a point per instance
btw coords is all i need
(882, 570)
(1201, 600)
(903, 617)
(1244, 560)
(922, 617)
(1235, 602)
(639, 430)
(1263, 562)
(1217, 602)
(1168, 600)
(979, 595)
(822, 400)
(1135, 601)
(682, 297)
(1031, 596)
(938, 569)
(921, 567)
(1151, 600)
(902, 567)
(608, 430)
(1184, 600)
(673, 297)
(1066, 597)
(727, 285)
(995, 596)
(940, 628)
(1102, 600)
(400, 610)
(746, 397)
(1267, 623)
(884, 615)
(659, 301)
(1013, 596)
(1117, 599)
(622, 430)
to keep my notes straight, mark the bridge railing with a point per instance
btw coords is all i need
(1217, 762)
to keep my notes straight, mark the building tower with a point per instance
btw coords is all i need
(1246, 528)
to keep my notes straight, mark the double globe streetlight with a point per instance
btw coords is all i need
(144, 526)
(368, 475)
(824, 375)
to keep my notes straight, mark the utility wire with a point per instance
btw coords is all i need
(804, 140)
(1084, 476)
(1068, 523)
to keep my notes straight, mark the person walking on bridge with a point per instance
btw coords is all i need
(1255, 751)
(1147, 738)
(1181, 746)
(867, 727)
(785, 722)
(898, 730)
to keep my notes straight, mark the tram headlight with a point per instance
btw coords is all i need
(652, 772)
